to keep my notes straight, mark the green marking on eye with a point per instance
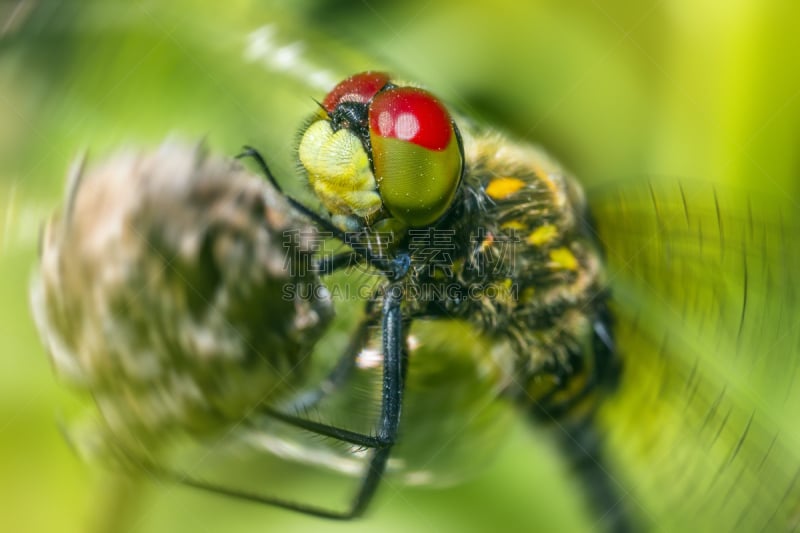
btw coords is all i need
(417, 185)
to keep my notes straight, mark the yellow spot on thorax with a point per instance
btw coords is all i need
(563, 258)
(504, 187)
(513, 225)
(542, 235)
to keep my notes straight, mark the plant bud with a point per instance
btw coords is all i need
(162, 291)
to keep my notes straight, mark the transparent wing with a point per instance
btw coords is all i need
(703, 429)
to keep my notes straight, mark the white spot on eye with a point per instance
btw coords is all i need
(385, 123)
(406, 126)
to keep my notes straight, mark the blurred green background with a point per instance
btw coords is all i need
(702, 91)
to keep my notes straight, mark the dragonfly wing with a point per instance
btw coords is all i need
(702, 432)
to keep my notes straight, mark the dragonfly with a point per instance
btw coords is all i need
(548, 302)
(577, 384)
(696, 428)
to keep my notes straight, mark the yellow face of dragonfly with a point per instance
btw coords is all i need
(378, 151)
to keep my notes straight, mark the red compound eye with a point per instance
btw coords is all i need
(416, 156)
(411, 115)
(357, 88)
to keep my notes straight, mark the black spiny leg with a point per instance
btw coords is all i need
(379, 263)
(393, 375)
(344, 366)
(249, 151)
(394, 371)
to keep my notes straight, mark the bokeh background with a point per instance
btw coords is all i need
(704, 91)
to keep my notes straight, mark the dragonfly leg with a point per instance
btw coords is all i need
(392, 347)
(331, 263)
(394, 371)
(344, 366)
(378, 262)
(249, 151)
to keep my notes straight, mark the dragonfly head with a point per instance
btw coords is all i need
(377, 150)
